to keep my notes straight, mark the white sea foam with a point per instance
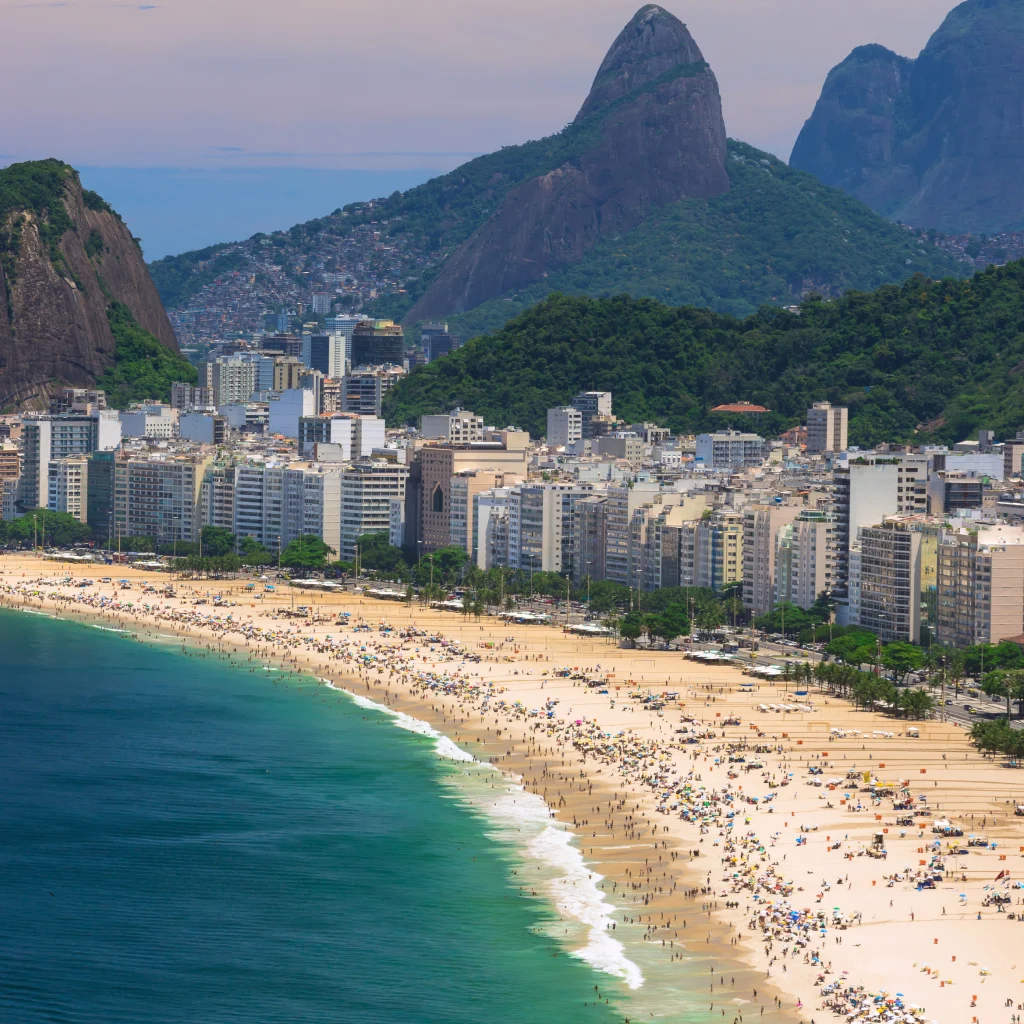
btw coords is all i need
(109, 629)
(574, 889)
(444, 747)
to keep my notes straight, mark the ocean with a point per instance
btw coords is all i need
(185, 840)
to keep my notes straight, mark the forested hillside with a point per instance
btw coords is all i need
(932, 359)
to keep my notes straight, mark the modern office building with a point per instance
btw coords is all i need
(363, 391)
(377, 343)
(437, 341)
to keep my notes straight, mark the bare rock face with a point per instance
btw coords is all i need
(53, 306)
(651, 132)
(938, 141)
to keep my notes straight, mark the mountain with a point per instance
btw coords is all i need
(79, 306)
(641, 192)
(937, 142)
(923, 360)
(650, 133)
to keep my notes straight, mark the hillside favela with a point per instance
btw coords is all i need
(561, 562)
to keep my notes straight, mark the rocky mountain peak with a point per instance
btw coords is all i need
(937, 141)
(654, 43)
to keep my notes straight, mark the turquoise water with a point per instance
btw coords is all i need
(182, 840)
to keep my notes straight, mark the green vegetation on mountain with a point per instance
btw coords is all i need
(35, 189)
(774, 234)
(143, 369)
(926, 359)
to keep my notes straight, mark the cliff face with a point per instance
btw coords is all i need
(650, 133)
(937, 142)
(64, 256)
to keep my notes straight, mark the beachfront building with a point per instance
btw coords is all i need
(804, 564)
(980, 597)
(69, 486)
(718, 556)
(159, 497)
(887, 572)
(761, 525)
(275, 503)
(50, 438)
(437, 465)
(540, 525)
(368, 488)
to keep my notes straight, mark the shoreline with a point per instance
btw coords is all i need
(573, 768)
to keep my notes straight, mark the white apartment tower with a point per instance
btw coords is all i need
(565, 426)
(826, 428)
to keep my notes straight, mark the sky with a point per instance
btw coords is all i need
(390, 87)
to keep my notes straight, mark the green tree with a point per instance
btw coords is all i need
(306, 552)
(631, 626)
(900, 659)
(217, 540)
(254, 553)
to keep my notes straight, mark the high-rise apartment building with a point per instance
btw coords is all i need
(888, 580)
(540, 524)
(826, 428)
(719, 550)
(805, 558)
(368, 487)
(730, 450)
(69, 486)
(593, 405)
(46, 439)
(761, 525)
(980, 598)
(159, 497)
(458, 427)
(565, 426)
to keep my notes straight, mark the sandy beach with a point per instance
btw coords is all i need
(734, 832)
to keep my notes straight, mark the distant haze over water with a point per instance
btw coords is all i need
(176, 210)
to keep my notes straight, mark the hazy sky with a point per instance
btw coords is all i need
(385, 84)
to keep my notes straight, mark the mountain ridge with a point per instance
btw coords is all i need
(936, 141)
(510, 226)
